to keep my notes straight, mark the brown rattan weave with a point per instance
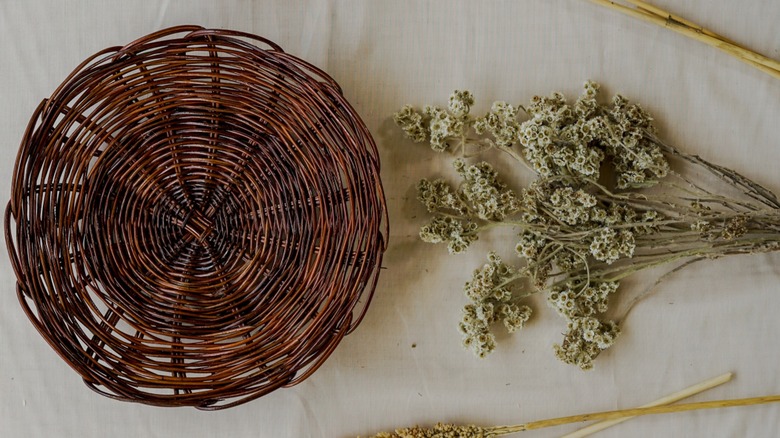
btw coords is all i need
(195, 220)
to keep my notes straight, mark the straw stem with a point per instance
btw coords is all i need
(635, 412)
(667, 400)
(649, 13)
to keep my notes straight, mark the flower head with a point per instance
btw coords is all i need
(460, 102)
(411, 122)
(586, 338)
(501, 123)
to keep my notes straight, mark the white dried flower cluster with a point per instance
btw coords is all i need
(501, 122)
(491, 198)
(638, 161)
(460, 102)
(562, 139)
(572, 206)
(571, 302)
(585, 339)
(558, 139)
(480, 193)
(437, 196)
(608, 245)
(442, 126)
(456, 233)
(555, 141)
(587, 336)
(408, 119)
(531, 244)
(448, 127)
(491, 301)
(438, 125)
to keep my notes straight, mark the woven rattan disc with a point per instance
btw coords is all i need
(196, 220)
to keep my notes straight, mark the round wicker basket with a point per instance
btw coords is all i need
(195, 220)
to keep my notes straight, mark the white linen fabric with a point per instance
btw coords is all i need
(404, 365)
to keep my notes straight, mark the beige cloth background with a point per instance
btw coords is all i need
(404, 365)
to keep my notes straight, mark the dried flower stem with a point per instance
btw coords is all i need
(647, 12)
(618, 414)
(667, 400)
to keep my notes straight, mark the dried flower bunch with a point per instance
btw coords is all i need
(608, 201)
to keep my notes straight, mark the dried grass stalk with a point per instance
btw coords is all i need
(652, 14)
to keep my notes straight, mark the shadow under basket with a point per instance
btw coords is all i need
(196, 220)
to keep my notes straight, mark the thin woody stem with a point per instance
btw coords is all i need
(635, 412)
(651, 14)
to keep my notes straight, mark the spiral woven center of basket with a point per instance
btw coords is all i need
(182, 224)
(198, 225)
